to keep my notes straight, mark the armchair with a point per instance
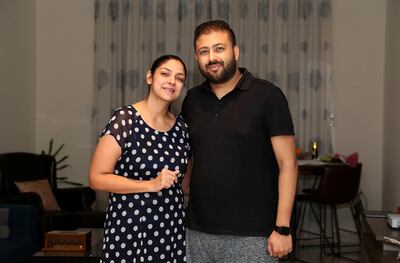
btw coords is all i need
(24, 234)
(75, 203)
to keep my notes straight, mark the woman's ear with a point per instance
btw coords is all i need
(149, 78)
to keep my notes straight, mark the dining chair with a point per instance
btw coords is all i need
(338, 185)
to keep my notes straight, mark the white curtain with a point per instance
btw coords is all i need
(285, 41)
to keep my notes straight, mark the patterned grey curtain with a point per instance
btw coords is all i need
(285, 41)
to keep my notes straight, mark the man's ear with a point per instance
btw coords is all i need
(236, 52)
(149, 78)
(195, 51)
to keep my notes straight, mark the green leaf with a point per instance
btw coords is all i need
(63, 167)
(62, 178)
(58, 150)
(62, 159)
(50, 146)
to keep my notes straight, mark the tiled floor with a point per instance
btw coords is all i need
(312, 254)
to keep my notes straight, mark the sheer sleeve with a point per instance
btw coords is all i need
(120, 126)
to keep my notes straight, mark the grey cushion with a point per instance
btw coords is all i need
(4, 229)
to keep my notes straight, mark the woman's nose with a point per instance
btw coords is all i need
(171, 80)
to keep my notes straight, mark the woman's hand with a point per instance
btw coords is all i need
(165, 179)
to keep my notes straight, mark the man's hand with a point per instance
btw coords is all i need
(279, 245)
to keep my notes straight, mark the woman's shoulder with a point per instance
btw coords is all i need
(125, 113)
(126, 108)
(181, 122)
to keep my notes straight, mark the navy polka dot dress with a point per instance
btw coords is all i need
(146, 227)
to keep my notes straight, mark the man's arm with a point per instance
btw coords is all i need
(186, 178)
(284, 149)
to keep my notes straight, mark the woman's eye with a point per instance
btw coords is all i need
(180, 80)
(164, 74)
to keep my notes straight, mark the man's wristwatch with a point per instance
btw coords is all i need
(282, 230)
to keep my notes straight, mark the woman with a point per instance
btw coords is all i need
(141, 159)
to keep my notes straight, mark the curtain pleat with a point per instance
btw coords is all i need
(287, 42)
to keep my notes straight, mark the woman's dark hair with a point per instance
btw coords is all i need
(161, 60)
(211, 26)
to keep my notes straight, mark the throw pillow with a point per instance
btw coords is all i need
(4, 230)
(42, 188)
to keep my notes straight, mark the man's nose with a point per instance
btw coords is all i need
(212, 56)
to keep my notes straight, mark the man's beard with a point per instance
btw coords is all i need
(227, 72)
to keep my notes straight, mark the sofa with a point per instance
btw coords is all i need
(29, 178)
(19, 232)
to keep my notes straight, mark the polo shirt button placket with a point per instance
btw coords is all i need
(219, 106)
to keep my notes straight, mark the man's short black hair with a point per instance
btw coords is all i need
(214, 25)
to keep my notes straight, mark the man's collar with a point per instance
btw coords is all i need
(245, 80)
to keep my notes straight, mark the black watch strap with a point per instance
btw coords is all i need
(283, 230)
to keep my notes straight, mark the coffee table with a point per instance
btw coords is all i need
(93, 255)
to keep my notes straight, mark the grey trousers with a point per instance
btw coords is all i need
(207, 248)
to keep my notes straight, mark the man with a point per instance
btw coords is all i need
(244, 173)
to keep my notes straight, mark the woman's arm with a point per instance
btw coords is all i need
(102, 177)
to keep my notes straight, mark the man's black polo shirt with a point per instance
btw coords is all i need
(234, 183)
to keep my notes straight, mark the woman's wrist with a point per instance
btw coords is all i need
(150, 186)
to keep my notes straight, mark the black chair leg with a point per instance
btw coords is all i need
(302, 213)
(322, 233)
(356, 219)
(336, 223)
(333, 231)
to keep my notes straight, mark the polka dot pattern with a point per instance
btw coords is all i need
(146, 227)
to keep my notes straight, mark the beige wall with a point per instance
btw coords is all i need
(358, 80)
(46, 73)
(391, 163)
(17, 75)
(65, 69)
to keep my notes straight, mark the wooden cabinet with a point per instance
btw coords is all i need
(373, 230)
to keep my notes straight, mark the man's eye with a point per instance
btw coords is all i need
(203, 52)
(219, 49)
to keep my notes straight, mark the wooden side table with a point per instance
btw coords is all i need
(372, 232)
(91, 256)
